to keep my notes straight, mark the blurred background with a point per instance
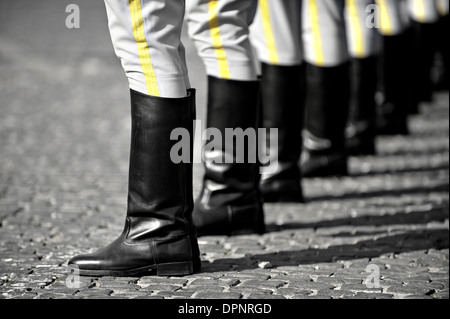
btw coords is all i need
(64, 95)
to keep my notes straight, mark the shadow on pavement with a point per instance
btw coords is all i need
(440, 187)
(413, 218)
(394, 171)
(442, 150)
(402, 243)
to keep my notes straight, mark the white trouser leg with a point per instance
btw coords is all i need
(393, 18)
(443, 7)
(146, 36)
(324, 32)
(424, 11)
(362, 36)
(276, 32)
(220, 31)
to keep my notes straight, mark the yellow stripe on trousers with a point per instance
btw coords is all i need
(355, 25)
(143, 48)
(217, 44)
(268, 31)
(419, 10)
(315, 25)
(386, 23)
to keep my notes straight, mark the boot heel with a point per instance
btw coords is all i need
(175, 269)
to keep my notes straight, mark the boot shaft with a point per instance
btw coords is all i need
(230, 202)
(364, 79)
(233, 105)
(282, 104)
(327, 104)
(159, 189)
(282, 99)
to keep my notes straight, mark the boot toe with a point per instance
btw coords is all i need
(85, 262)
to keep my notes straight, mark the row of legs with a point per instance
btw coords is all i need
(310, 107)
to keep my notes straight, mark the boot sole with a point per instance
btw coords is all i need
(168, 269)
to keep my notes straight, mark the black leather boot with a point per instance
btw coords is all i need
(230, 202)
(443, 83)
(409, 62)
(327, 107)
(361, 131)
(282, 108)
(392, 117)
(426, 44)
(158, 234)
(192, 93)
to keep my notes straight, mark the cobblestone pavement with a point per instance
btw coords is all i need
(64, 140)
